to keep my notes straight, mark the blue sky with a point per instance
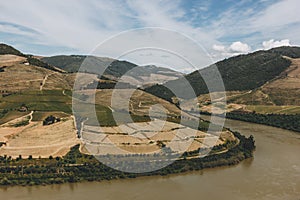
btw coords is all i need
(223, 28)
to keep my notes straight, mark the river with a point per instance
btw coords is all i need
(273, 173)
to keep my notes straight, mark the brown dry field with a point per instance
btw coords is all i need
(289, 81)
(38, 140)
(10, 59)
(149, 80)
(204, 102)
(140, 102)
(18, 76)
(13, 115)
(12, 122)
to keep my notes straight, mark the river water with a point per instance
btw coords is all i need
(273, 173)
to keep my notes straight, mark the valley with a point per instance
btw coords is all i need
(43, 117)
(150, 100)
(37, 92)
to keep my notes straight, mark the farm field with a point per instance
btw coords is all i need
(148, 138)
(37, 101)
(37, 140)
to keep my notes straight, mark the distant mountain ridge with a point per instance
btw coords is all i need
(115, 69)
(239, 73)
(70, 63)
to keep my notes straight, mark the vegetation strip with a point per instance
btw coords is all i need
(284, 121)
(289, 122)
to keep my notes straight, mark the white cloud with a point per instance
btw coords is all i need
(85, 24)
(8, 28)
(278, 20)
(220, 48)
(272, 43)
(239, 47)
(277, 15)
(59, 24)
(168, 14)
(256, 24)
(236, 48)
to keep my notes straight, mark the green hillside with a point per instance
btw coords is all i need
(114, 68)
(6, 49)
(67, 63)
(243, 72)
(72, 64)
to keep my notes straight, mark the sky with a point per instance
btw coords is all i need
(223, 28)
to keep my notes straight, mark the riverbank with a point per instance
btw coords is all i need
(288, 122)
(77, 167)
(284, 121)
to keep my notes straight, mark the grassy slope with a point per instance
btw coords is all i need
(6, 49)
(53, 102)
(11, 115)
(38, 100)
(67, 63)
(243, 72)
(282, 91)
(115, 68)
(44, 102)
(73, 63)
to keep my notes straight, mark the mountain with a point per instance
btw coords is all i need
(283, 90)
(6, 49)
(9, 50)
(25, 80)
(30, 93)
(17, 74)
(134, 74)
(239, 73)
(131, 73)
(72, 63)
